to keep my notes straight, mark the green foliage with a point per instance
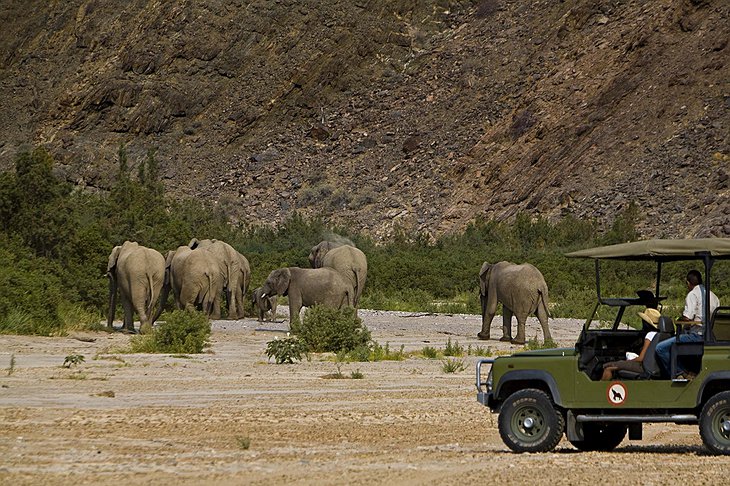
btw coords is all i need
(383, 353)
(454, 349)
(286, 350)
(181, 332)
(429, 352)
(452, 366)
(479, 351)
(327, 329)
(357, 374)
(534, 344)
(54, 245)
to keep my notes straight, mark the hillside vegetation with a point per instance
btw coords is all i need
(55, 242)
(388, 115)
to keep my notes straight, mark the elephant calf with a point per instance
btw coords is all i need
(265, 307)
(309, 286)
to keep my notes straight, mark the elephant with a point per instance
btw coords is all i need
(174, 261)
(264, 306)
(202, 281)
(237, 275)
(139, 273)
(346, 259)
(522, 291)
(309, 286)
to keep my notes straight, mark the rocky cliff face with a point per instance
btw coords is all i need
(379, 114)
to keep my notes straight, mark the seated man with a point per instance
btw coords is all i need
(634, 363)
(692, 317)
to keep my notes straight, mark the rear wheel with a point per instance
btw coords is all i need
(715, 423)
(529, 422)
(600, 436)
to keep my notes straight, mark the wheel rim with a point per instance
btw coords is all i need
(528, 424)
(721, 426)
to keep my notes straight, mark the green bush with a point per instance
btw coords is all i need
(182, 332)
(286, 350)
(327, 329)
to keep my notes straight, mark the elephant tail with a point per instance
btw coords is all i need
(150, 304)
(207, 297)
(359, 286)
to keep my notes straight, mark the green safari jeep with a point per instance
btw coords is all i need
(542, 394)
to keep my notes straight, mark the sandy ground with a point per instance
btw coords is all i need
(231, 417)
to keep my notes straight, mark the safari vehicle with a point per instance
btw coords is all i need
(542, 394)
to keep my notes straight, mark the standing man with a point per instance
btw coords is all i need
(692, 319)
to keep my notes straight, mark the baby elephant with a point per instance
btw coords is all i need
(306, 287)
(265, 307)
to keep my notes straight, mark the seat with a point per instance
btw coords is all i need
(721, 324)
(665, 330)
(692, 352)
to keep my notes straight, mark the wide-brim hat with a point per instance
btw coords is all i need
(650, 316)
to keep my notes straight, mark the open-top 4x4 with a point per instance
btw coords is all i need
(542, 394)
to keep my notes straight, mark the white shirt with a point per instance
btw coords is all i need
(693, 308)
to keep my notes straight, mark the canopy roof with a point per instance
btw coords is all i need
(658, 250)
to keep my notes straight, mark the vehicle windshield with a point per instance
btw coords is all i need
(619, 314)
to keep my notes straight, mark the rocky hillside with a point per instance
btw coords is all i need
(384, 114)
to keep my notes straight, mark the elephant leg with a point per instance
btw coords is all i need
(507, 324)
(543, 318)
(128, 324)
(520, 338)
(295, 307)
(213, 308)
(486, 325)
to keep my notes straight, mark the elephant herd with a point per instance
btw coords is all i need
(200, 272)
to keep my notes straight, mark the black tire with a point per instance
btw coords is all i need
(715, 423)
(529, 422)
(600, 436)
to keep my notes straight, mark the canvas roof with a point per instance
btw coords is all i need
(658, 250)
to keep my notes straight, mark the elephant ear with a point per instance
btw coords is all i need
(484, 277)
(113, 257)
(281, 284)
(194, 243)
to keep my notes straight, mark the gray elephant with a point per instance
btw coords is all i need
(202, 281)
(265, 307)
(346, 259)
(139, 273)
(237, 275)
(522, 291)
(309, 286)
(174, 261)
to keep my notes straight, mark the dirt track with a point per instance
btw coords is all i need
(151, 419)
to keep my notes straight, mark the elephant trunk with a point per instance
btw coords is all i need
(112, 299)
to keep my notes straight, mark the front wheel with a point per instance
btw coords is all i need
(600, 436)
(715, 423)
(529, 422)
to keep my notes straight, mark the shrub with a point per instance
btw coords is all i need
(429, 352)
(454, 349)
(182, 332)
(327, 329)
(383, 353)
(286, 350)
(452, 366)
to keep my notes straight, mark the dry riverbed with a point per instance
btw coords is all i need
(231, 417)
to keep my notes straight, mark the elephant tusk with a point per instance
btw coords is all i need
(263, 296)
